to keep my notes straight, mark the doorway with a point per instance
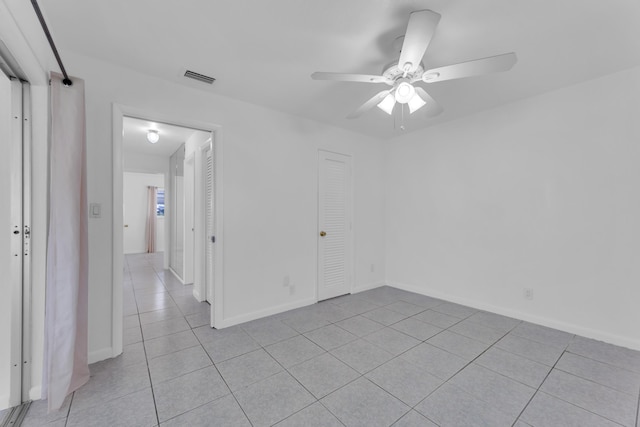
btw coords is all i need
(180, 210)
(335, 225)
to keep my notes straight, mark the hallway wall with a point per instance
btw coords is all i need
(135, 212)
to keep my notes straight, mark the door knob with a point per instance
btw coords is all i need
(322, 234)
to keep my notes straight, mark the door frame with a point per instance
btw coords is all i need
(14, 233)
(188, 257)
(202, 290)
(119, 111)
(350, 252)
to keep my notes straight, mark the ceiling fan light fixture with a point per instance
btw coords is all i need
(416, 103)
(387, 104)
(153, 136)
(404, 92)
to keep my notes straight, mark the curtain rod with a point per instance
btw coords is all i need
(67, 81)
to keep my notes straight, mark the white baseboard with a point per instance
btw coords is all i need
(196, 294)
(176, 275)
(543, 321)
(35, 393)
(368, 286)
(286, 307)
(231, 321)
(102, 354)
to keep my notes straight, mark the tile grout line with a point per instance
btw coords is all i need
(225, 381)
(537, 390)
(155, 407)
(540, 386)
(457, 372)
(561, 399)
(317, 400)
(638, 411)
(286, 370)
(394, 357)
(144, 348)
(363, 375)
(589, 379)
(153, 395)
(66, 420)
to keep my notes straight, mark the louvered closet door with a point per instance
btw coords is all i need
(210, 220)
(334, 225)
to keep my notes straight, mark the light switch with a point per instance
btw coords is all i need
(95, 210)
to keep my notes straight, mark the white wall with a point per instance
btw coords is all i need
(543, 194)
(135, 212)
(270, 192)
(145, 163)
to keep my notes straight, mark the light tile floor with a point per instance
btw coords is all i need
(378, 358)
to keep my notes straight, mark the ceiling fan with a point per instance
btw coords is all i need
(403, 74)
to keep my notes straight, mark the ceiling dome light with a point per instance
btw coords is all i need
(153, 136)
(404, 92)
(387, 104)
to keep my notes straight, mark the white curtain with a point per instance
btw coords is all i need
(152, 204)
(65, 354)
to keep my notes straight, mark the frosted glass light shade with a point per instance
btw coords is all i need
(404, 92)
(387, 104)
(153, 136)
(416, 103)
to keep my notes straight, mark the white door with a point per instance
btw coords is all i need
(189, 219)
(11, 242)
(210, 223)
(335, 226)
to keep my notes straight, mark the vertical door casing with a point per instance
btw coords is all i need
(11, 258)
(210, 223)
(189, 219)
(335, 225)
(26, 226)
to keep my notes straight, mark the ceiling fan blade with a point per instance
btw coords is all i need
(375, 100)
(432, 108)
(343, 77)
(422, 25)
(492, 64)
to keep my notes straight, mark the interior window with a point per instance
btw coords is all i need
(160, 202)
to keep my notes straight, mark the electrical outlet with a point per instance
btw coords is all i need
(286, 280)
(292, 289)
(373, 268)
(528, 293)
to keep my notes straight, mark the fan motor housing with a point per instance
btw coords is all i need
(392, 72)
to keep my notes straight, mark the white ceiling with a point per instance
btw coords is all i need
(263, 52)
(134, 137)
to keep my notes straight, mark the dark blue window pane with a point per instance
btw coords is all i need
(160, 202)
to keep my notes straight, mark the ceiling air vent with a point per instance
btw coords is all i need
(199, 77)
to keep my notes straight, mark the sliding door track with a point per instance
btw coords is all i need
(16, 415)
